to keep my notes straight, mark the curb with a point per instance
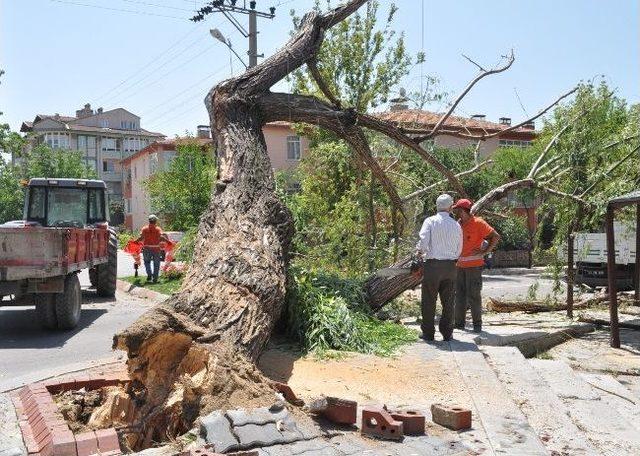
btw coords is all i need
(537, 270)
(139, 292)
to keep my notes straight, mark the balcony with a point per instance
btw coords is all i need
(112, 176)
(111, 154)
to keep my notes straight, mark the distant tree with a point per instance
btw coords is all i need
(41, 161)
(181, 193)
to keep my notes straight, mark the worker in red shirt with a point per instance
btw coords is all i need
(151, 236)
(478, 239)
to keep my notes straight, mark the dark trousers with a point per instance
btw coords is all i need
(439, 278)
(469, 295)
(150, 256)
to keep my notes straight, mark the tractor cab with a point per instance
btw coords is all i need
(65, 203)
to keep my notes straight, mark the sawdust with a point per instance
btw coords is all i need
(424, 374)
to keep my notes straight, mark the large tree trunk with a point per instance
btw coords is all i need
(195, 350)
(381, 288)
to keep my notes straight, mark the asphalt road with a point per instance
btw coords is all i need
(29, 353)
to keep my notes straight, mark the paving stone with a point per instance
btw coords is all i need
(260, 415)
(256, 435)
(563, 381)
(216, 429)
(545, 411)
(605, 427)
(506, 426)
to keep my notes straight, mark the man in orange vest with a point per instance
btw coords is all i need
(151, 236)
(475, 231)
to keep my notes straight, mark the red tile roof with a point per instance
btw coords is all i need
(414, 118)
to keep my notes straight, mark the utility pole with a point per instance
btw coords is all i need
(227, 7)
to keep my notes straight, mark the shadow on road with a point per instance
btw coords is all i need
(19, 328)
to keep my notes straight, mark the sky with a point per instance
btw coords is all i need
(147, 57)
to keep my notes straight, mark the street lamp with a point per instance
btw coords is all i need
(217, 34)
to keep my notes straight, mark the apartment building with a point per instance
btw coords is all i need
(104, 137)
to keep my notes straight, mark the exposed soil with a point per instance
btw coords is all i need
(422, 375)
(77, 406)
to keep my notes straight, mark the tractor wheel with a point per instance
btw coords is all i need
(106, 273)
(93, 276)
(45, 310)
(68, 304)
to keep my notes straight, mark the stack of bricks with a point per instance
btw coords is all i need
(43, 427)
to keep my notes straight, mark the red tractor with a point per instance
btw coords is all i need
(64, 230)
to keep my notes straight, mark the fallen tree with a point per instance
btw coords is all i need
(196, 351)
(501, 306)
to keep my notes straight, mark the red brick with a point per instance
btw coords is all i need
(287, 392)
(341, 411)
(47, 450)
(413, 423)
(455, 418)
(86, 444)
(63, 443)
(377, 422)
(107, 440)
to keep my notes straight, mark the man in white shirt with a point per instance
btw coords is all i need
(440, 245)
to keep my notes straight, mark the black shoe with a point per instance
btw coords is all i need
(477, 328)
(447, 338)
(427, 337)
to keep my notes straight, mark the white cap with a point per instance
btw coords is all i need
(153, 218)
(444, 202)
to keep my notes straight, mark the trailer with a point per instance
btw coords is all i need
(590, 257)
(64, 230)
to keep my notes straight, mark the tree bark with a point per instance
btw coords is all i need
(380, 289)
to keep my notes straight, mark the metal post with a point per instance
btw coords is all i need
(570, 273)
(636, 276)
(253, 39)
(611, 276)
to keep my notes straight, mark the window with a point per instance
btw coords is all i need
(67, 207)
(135, 171)
(36, 204)
(108, 166)
(514, 143)
(87, 144)
(57, 140)
(110, 144)
(104, 123)
(293, 147)
(92, 163)
(96, 206)
(128, 125)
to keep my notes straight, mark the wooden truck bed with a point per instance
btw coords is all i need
(38, 253)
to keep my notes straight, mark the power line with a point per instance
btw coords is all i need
(183, 102)
(145, 13)
(174, 69)
(157, 5)
(153, 71)
(148, 63)
(149, 72)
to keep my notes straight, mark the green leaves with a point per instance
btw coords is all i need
(182, 190)
(41, 161)
(361, 62)
(326, 313)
